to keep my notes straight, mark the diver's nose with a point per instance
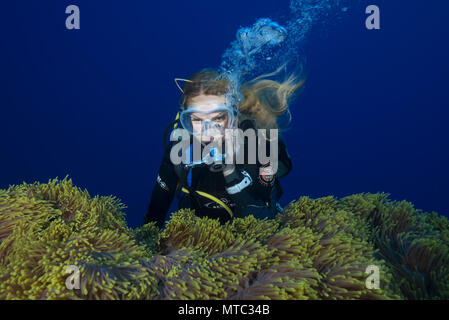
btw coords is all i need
(208, 131)
(206, 127)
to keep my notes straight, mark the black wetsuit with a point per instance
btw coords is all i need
(259, 198)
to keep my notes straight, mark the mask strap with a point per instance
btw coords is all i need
(180, 79)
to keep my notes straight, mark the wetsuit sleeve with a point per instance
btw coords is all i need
(163, 192)
(256, 198)
(285, 162)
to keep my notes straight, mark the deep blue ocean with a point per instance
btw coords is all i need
(93, 103)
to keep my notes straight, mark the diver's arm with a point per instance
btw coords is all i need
(285, 163)
(248, 194)
(163, 192)
(251, 189)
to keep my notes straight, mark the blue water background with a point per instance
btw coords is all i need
(93, 103)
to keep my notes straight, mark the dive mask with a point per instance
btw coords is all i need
(191, 119)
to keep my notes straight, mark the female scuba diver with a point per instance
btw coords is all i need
(226, 190)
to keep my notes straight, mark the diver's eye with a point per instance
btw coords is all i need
(220, 119)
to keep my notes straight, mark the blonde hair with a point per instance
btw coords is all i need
(264, 100)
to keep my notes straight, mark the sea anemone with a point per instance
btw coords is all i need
(316, 249)
(49, 227)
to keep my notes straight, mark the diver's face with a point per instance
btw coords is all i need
(201, 120)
